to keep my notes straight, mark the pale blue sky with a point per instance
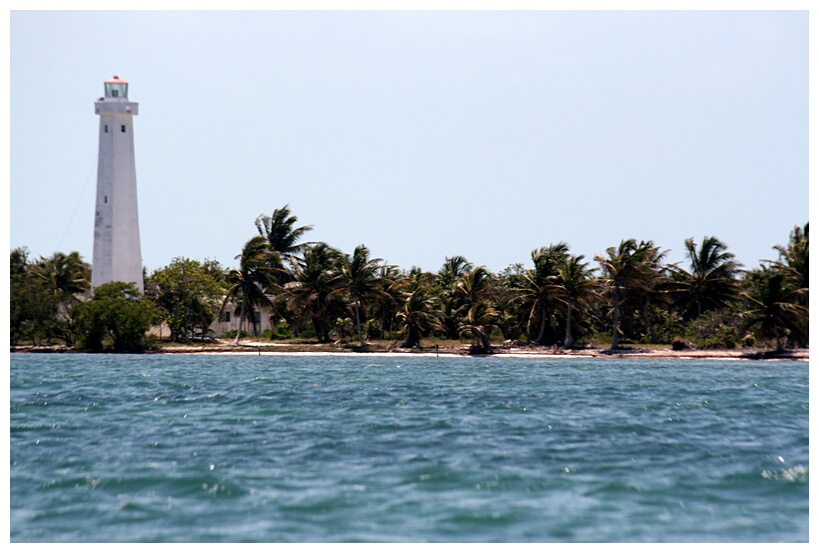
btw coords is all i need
(420, 134)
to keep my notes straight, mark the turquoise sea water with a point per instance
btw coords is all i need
(177, 448)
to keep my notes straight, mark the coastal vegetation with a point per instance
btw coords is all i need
(314, 292)
(116, 314)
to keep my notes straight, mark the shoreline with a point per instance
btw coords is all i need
(513, 352)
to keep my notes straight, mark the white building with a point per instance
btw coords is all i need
(228, 321)
(117, 252)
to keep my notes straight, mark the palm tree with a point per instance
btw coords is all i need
(452, 269)
(631, 266)
(774, 306)
(794, 264)
(416, 316)
(794, 260)
(461, 285)
(283, 238)
(315, 277)
(65, 277)
(473, 286)
(573, 289)
(506, 301)
(478, 325)
(535, 293)
(537, 290)
(712, 282)
(452, 301)
(359, 278)
(250, 281)
(451, 318)
(391, 284)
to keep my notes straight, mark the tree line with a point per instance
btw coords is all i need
(311, 290)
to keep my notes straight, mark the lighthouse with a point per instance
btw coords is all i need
(117, 253)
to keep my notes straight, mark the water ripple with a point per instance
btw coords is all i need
(190, 448)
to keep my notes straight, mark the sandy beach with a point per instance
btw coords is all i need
(250, 347)
(801, 355)
(633, 352)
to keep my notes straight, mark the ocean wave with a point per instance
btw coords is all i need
(799, 473)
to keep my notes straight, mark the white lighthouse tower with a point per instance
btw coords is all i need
(117, 253)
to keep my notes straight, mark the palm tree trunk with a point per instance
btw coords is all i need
(317, 328)
(358, 325)
(542, 326)
(410, 340)
(319, 322)
(485, 344)
(568, 342)
(385, 323)
(241, 318)
(252, 316)
(529, 326)
(615, 342)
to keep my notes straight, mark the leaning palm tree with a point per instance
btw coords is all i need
(478, 325)
(794, 260)
(574, 288)
(451, 299)
(283, 237)
(416, 316)
(315, 277)
(359, 278)
(631, 266)
(773, 306)
(450, 314)
(794, 264)
(391, 285)
(248, 283)
(536, 291)
(65, 278)
(474, 285)
(712, 282)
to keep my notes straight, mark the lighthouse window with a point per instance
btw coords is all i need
(106, 128)
(106, 199)
(123, 128)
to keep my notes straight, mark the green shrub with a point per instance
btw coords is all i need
(372, 329)
(282, 330)
(718, 329)
(117, 315)
(667, 326)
